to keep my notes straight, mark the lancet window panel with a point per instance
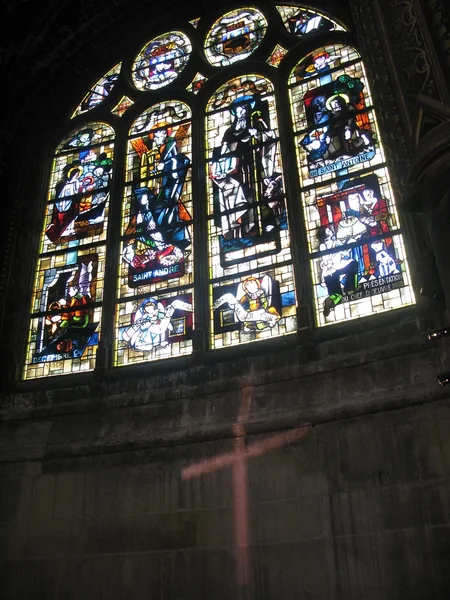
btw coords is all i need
(156, 269)
(357, 254)
(157, 326)
(248, 224)
(68, 291)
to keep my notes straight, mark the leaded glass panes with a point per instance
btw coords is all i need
(304, 22)
(358, 261)
(99, 91)
(156, 270)
(353, 235)
(68, 291)
(277, 55)
(252, 289)
(122, 106)
(235, 36)
(161, 61)
(196, 84)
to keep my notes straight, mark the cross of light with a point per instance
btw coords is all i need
(237, 459)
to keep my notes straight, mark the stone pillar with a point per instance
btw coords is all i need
(429, 180)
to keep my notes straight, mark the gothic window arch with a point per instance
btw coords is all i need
(249, 179)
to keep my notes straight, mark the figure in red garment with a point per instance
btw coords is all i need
(66, 207)
(374, 214)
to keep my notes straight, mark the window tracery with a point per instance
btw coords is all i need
(250, 262)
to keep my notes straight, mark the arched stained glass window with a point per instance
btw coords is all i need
(154, 317)
(357, 254)
(66, 309)
(252, 287)
(200, 126)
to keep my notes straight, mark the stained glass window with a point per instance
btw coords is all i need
(304, 22)
(277, 56)
(99, 91)
(197, 83)
(154, 316)
(122, 106)
(161, 61)
(66, 307)
(224, 166)
(357, 254)
(235, 36)
(251, 276)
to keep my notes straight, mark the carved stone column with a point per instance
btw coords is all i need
(399, 68)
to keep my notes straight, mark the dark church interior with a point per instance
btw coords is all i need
(279, 430)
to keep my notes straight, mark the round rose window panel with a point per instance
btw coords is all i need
(161, 61)
(235, 36)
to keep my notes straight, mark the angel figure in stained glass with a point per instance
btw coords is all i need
(151, 324)
(252, 304)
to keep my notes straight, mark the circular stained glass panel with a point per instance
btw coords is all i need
(161, 61)
(235, 36)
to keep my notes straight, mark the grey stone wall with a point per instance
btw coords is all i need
(358, 509)
(96, 501)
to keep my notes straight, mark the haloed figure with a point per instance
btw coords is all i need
(344, 137)
(66, 206)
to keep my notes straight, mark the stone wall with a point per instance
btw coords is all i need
(321, 478)
(358, 509)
